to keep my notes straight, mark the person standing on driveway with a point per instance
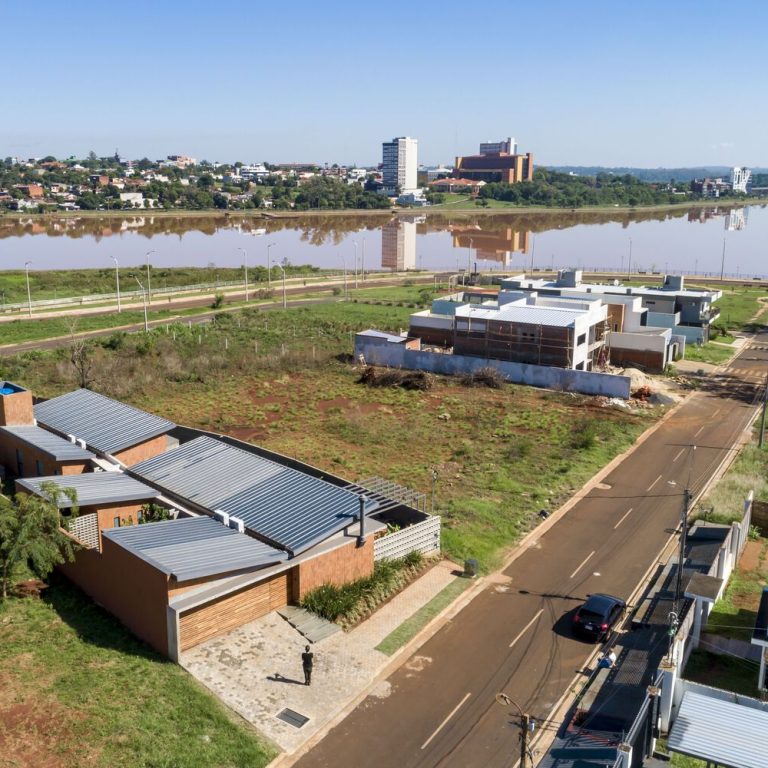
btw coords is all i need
(307, 659)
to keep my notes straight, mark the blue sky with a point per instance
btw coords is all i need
(670, 83)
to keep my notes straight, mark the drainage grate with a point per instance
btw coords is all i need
(296, 719)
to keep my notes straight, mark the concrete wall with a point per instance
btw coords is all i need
(588, 382)
(339, 566)
(16, 409)
(142, 451)
(128, 587)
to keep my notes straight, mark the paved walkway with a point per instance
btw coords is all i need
(256, 669)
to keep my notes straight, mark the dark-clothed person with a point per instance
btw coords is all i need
(307, 659)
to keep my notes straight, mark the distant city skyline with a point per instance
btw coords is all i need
(597, 83)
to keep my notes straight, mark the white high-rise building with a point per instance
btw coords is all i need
(740, 179)
(400, 164)
(506, 146)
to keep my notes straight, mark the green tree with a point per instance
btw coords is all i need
(31, 533)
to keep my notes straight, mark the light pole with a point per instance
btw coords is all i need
(149, 278)
(629, 263)
(761, 442)
(362, 261)
(269, 268)
(525, 725)
(344, 264)
(117, 281)
(533, 250)
(282, 269)
(469, 258)
(29, 293)
(354, 242)
(144, 296)
(245, 260)
(722, 263)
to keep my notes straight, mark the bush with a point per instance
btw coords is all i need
(484, 377)
(584, 435)
(218, 301)
(351, 603)
(395, 377)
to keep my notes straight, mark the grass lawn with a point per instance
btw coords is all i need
(726, 672)
(79, 690)
(708, 353)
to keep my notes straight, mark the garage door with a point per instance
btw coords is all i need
(233, 610)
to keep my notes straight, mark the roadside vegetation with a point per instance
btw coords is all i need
(727, 672)
(79, 690)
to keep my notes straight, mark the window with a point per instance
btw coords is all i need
(39, 468)
(116, 522)
(582, 339)
(20, 462)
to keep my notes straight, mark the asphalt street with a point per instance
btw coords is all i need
(515, 636)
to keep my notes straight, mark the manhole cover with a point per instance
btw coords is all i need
(296, 719)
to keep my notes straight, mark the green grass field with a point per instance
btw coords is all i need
(79, 690)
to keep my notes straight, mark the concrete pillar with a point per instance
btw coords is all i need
(761, 679)
(698, 606)
(625, 756)
(668, 681)
(736, 536)
(721, 563)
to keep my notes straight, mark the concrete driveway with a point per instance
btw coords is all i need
(256, 669)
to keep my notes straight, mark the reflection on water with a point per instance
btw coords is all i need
(401, 242)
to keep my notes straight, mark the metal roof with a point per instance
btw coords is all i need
(105, 424)
(45, 441)
(391, 337)
(290, 508)
(194, 547)
(719, 731)
(94, 488)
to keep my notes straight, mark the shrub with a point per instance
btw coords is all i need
(218, 301)
(584, 435)
(484, 377)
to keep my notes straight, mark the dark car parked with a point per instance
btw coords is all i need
(597, 617)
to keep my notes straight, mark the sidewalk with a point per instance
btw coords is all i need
(256, 669)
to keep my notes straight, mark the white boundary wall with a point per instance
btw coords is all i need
(422, 537)
(561, 379)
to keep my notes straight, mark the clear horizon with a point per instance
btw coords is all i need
(662, 85)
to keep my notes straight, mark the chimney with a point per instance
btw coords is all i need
(361, 516)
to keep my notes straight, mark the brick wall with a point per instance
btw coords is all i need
(647, 360)
(126, 586)
(16, 409)
(346, 563)
(142, 451)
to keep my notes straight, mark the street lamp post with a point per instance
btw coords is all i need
(722, 263)
(525, 726)
(533, 250)
(269, 268)
(469, 258)
(282, 269)
(144, 297)
(117, 281)
(149, 278)
(245, 260)
(29, 293)
(362, 261)
(354, 242)
(629, 263)
(344, 264)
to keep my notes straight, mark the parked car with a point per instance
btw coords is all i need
(596, 618)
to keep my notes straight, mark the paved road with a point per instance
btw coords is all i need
(514, 636)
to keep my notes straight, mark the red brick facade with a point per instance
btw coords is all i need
(16, 409)
(346, 563)
(142, 451)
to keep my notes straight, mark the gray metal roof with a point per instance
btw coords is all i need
(194, 547)
(289, 508)
(719, 731)
(45, 441)
(553, 316)
(391, 337)
(94, 488)
(105, 424)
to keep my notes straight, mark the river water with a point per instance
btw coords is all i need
(700, 240)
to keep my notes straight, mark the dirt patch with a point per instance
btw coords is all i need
(750, 559)
(349, 406)
(36, 734)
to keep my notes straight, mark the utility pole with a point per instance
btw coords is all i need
(144, 296)
(762, 419)
(525, 726)
(722, 263)
(629, 262)
(149, 277)
(29, 292)
(681, 555)
(117, 281)
(245, 267)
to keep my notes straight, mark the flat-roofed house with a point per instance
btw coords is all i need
(29, 451)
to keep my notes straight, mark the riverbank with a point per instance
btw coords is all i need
(499, 208)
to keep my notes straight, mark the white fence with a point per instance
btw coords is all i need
(422, 537)
(86, 530)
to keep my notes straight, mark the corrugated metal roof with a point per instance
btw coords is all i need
(561, 318)
(105, 424)
(286, 506)
(195, 547)
(45, 441)
(95, 487)
(382, 335)
(712, 729)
